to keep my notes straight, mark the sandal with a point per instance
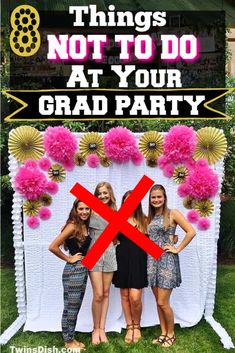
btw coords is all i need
(169, 341)
(136, 327)
(128, 339)
(159, 340)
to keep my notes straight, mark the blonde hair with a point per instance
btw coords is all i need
(152, 210)
(112, 201)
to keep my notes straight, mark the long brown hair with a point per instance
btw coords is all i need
(112, 202)
(78, 223)
(152, 210)
(138, 214)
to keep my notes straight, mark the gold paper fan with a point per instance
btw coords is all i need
(150, 144)
(25, 142)
(151, 162)
(46, 199)
(31, 207)
(180, 173)
(211, 144)
(204, 207)
(57, 173)
(189, 202)
(79, 159)
(105, 162)
(91, 142)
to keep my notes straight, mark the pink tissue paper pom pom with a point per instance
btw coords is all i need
(202, 163)
(33, 222)
(69, 166)
(202, 181)
(30, 163)
(119, 144)
(168, 170)
(44, 213)
(60, 144)
(179, 143)
(193, 216)
(204, 223)
(190, 164)
(93, 160)
(183, 190)
(52, 187)
(137, 158)
(30, 182)
(44, 163)
(162, 161)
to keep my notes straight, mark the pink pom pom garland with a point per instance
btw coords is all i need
(33, 222)
(52, 187)
(193, 216)
(119, 144)
(179, 144)
(137, 158)
(30, 183)
(44, 213)
(60, 144)
(44, 163)
(30, 163)
(204, 223)
(168, 170)
(202, 182)
(93, 160)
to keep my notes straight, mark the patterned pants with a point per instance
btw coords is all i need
(74, 282)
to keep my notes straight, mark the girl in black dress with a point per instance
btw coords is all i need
(76, 239)
(131, 275)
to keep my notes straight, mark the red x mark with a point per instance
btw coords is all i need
(117, 221)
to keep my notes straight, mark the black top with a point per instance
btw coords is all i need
(74, 247)
(132, 265)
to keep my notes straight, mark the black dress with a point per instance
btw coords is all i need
(132, 265)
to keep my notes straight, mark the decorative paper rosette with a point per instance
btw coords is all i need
(189, 202)
(31, 208)
(204, 207)
(151, 145)
(25, 142)
(91, 143)
(179, 144)
(57, 173)
(61, 145)
(180, 174)
(45, 199)
(211, 144)
(120, 144)
(79, 159)
(105, 162)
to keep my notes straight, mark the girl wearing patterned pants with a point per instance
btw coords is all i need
(74, 236)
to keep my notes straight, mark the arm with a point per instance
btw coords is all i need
(54, 247)
(190, 233)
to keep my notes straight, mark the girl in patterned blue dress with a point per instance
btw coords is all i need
(164, 273)
(74, 236)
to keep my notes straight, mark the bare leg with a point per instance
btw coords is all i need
(97, 286)
(126, 307)
(107, 280)
(160, 314)
(163, 303)
(136, 310)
